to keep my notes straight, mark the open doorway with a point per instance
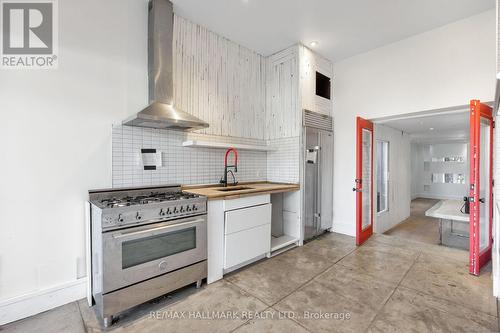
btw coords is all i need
(429, 168)
(437, 166)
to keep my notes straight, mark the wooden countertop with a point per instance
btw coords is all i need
(243, 189)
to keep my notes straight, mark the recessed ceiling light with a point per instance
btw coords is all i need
(431, 128)
(313, 43)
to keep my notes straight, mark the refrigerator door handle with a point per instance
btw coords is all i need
(317, 215)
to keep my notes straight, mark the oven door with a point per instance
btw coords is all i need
(137, 254)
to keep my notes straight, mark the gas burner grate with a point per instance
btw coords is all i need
(153, 197)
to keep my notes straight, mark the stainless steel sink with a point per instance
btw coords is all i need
(234, 188)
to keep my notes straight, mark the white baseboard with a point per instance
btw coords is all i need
(20, 307)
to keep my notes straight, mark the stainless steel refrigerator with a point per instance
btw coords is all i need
(318, 173)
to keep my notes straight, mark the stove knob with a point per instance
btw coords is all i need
(188, 209)
(169, 211)
(162, 213)
(194, 207)
(120, 218)
(138, 216)
(182, 209)
(175, 210)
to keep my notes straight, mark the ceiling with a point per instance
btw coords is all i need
(341, 28)
(442, 127)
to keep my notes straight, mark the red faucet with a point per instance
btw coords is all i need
(226, 166)
(235, 165)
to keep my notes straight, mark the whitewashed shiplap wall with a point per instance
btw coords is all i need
(218, 81)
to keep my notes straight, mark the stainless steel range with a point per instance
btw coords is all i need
(146, 242)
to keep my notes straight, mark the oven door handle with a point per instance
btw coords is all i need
(148, 231)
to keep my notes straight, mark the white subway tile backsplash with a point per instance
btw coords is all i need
(283, 164)
(180, 164)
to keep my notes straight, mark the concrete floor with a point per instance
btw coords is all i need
(418, 227)
(386, 285)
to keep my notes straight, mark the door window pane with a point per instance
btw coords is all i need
(366, 184)
(484, 186)
(142, 250)
(382, 176)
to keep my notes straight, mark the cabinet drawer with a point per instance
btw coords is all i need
(247, 244)
(246, 218)
(253, 200)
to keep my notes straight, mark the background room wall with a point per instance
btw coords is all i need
(430, 71)
(423, 166)
(399, 178)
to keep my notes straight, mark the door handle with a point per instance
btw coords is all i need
(152, 230)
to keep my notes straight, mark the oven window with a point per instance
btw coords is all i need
(139, 251)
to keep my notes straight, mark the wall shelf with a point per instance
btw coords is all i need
(224, 145)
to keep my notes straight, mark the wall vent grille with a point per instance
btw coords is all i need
(317, 120)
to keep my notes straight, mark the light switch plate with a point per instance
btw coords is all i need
(151, 158)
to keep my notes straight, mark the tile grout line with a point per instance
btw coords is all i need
(449, 301)
(446, 299)
(299, 287)
(306, 282)
(295, 321)
(81, 317)
(266, 309)
(390, 296)
(247, 292)
(247, 321)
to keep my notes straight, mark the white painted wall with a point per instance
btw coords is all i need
(56, 140)
(399, 178)
(423, 154)
(444, 67)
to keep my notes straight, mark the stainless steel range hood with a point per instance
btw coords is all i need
(161, 113)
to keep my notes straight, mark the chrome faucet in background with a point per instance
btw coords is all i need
(226, 167)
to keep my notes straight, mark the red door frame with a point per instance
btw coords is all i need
(478, 259)
(362, 235)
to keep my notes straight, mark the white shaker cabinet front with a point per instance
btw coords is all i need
(247, 234)
(239, 232)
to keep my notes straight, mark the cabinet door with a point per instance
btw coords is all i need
(247, 218)
(283, 105)
(246, 245)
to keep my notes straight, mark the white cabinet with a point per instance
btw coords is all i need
(295, 81)
(314, 71)
(243, 246)
(247, 234)
(282, 109)
(247, 218)
(239, 232)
